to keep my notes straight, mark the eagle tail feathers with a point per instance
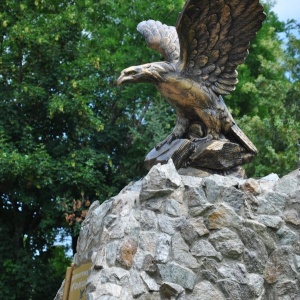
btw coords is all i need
(245, 141)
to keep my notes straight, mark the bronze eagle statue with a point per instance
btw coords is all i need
(202, 53)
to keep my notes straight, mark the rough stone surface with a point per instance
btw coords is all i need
(207, 292)
(182, 237)
(227, 242)
(175, 273)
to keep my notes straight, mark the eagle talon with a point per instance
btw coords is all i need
(207, 138)
(158, 146)
(168, 140)
(171, 138)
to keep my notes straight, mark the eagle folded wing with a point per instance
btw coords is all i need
(161, 37)
(214, 39)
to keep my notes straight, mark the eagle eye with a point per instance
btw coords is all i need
(131, 72)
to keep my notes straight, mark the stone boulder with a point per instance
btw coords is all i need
(171, 236)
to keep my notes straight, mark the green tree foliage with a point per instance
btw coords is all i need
(67, 132)
(44, 149)
(292, 64)
(69, 136)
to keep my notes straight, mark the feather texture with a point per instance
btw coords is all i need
(223, 30)
(161, 37)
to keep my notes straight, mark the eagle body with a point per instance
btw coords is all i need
(201, 55)
(196, 103)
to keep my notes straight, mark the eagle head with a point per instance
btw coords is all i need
(153, 72)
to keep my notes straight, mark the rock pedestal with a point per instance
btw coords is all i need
(171, 236)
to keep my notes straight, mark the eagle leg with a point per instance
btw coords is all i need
(180, 129)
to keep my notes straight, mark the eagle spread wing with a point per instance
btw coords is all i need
(162, 38)
(213, 38)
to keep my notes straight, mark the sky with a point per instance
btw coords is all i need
(287, 9)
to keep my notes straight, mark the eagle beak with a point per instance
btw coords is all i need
(120, 79)
(128, 75)
(124, 77)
